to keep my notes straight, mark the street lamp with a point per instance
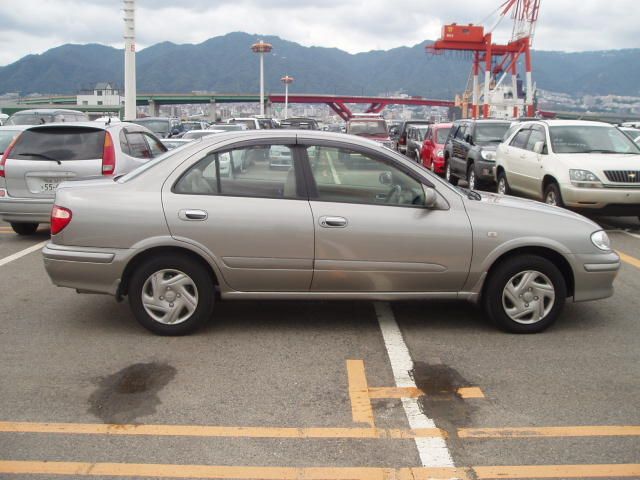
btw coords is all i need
(286, 80)
(261, 48)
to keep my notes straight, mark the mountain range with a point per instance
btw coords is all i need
(226, 64)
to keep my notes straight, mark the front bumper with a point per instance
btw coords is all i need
(31, 210)
(623, 199)
(95, 270)
(485, 171)
(594, 274)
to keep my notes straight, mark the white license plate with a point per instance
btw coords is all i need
(49, 185)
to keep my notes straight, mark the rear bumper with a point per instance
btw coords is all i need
(96, 270)
(594, 275)
(32, 210)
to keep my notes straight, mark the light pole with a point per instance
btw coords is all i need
(129, 59)
(261, 48)
(287, 80)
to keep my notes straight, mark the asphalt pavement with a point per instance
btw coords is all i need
(315, 389)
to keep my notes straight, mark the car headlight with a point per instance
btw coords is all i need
(488, 155)
(584, 178)
(440, 153)
(601, 240)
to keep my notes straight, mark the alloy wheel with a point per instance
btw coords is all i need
(169, 296)
(528, 297)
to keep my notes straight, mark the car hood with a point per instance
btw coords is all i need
(601, 161)
(532, 205)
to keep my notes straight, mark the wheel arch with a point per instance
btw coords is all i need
(141, 257)
(550, 254)
(546, 181)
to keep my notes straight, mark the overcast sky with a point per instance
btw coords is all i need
(34, 26)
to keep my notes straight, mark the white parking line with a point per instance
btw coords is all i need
(22, 253)
(433, 451)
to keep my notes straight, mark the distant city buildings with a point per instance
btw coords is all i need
(104, 93)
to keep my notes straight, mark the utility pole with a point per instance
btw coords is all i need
(130, 59)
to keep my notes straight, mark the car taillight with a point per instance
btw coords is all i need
(60, 218)
(6, 154)
(402, 140)
(108, 155)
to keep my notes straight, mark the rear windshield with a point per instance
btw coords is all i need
(156, 126)
(59, 144)
(31, 118)
(6, 137)
(368, 127)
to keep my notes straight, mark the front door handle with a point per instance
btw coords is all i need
(193, 215)
(333, 222)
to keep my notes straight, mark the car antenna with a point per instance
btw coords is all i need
(108, 121)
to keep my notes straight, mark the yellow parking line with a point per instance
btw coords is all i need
(414, 392)
(315, 473)
(628, 259)
(361, 409)
(533, 432)
(558, 471)
(216, 431)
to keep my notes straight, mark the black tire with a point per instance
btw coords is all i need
(502, 177)
(495, 299)
(25, 228)
(448, 174)
(552, 195)
(195, 272)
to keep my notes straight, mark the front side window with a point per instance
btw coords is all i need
(520, 140)
(265, 171)
(537, 135)
(348, 176)
(460, 132)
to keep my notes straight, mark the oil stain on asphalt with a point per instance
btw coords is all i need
(130, 393)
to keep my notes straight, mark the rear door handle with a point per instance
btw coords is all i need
(192, 215)
(333, 222)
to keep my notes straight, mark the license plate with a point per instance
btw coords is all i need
(49, 185)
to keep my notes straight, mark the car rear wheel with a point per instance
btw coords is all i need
(448, 175)
(552, 195)
(525, 294)
(25, 228)
(503, 184)
(171, 295)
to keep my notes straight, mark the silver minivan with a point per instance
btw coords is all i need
(43, 156)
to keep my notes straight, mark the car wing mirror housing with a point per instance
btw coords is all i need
(538, 147)
(430, 197)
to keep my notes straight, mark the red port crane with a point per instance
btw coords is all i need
(496, 58)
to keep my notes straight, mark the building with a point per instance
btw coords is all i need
(104, 93)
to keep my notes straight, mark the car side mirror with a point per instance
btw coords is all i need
(469, 139)
(538, 147)
(430, 197)
(175, 132)
(385, 178)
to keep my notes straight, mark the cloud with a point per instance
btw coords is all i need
(33, 26)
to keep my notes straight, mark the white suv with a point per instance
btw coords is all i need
(589, 166)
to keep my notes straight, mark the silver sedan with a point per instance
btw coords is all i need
(348, 220)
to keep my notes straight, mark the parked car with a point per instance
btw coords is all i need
(400, 142)
(432, 152)
(318, 230)
(46, 115)
(253, 123)
(190, 135)
(589, 166)
(372, 127)
(162, 127)
(280, 157)
(41, 157)
(228, 127)
(415, 137)
(189, 125)
(172, 143)
(300, 123)
(470, 151)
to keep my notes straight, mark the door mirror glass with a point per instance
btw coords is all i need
(430, 197)
(538, 147)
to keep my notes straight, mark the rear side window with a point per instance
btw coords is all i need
(156, 147)
(6, 137)
(137, 146)
(70, 143)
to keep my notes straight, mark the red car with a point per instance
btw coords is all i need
(432, 153)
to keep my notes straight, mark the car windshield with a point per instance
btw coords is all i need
(490, 132)
(369, 127)
(6, 137)
(591, 139)
(156, 126)
(29, 119)
(250, 124)
(442, 134)
(191, 126)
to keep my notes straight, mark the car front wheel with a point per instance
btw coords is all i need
(552, 195)
(171, 295)
(503, 184)
(25, 228)
(525, 294)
